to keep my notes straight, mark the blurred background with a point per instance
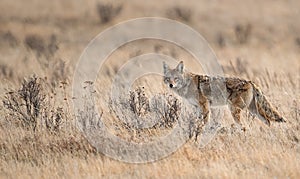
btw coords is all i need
(261, 33)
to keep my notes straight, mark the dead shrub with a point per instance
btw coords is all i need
(221, 40)
(42, 48)
(137, 107)
(52, 46)
(35, 43)
(26, 103)
(6, 72)
(168, 109)
(297, 41)
(9, 38)
(243, 33)
(138, 102)
(107, 12)
(180, 13)
(31, 105)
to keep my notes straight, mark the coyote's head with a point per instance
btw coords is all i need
(174, 78)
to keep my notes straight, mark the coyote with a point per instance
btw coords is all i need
(237, 93)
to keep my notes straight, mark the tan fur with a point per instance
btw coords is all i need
(239, 94)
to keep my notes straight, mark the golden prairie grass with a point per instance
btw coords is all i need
(266, 53)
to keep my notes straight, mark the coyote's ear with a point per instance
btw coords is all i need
(166, 67)
(180, 67)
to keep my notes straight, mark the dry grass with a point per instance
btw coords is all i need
(47, 41)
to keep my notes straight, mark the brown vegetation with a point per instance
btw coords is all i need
(38, 133)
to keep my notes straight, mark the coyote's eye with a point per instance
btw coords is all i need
(176, 79)
(167, 79)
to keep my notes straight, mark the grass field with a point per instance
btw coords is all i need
(255, 40)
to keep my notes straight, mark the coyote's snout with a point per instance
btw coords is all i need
(239, 94)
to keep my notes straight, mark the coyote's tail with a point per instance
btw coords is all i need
(263, 108)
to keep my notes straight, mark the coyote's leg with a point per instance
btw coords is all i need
(239, 100)
(236, 114)
(204, 105)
